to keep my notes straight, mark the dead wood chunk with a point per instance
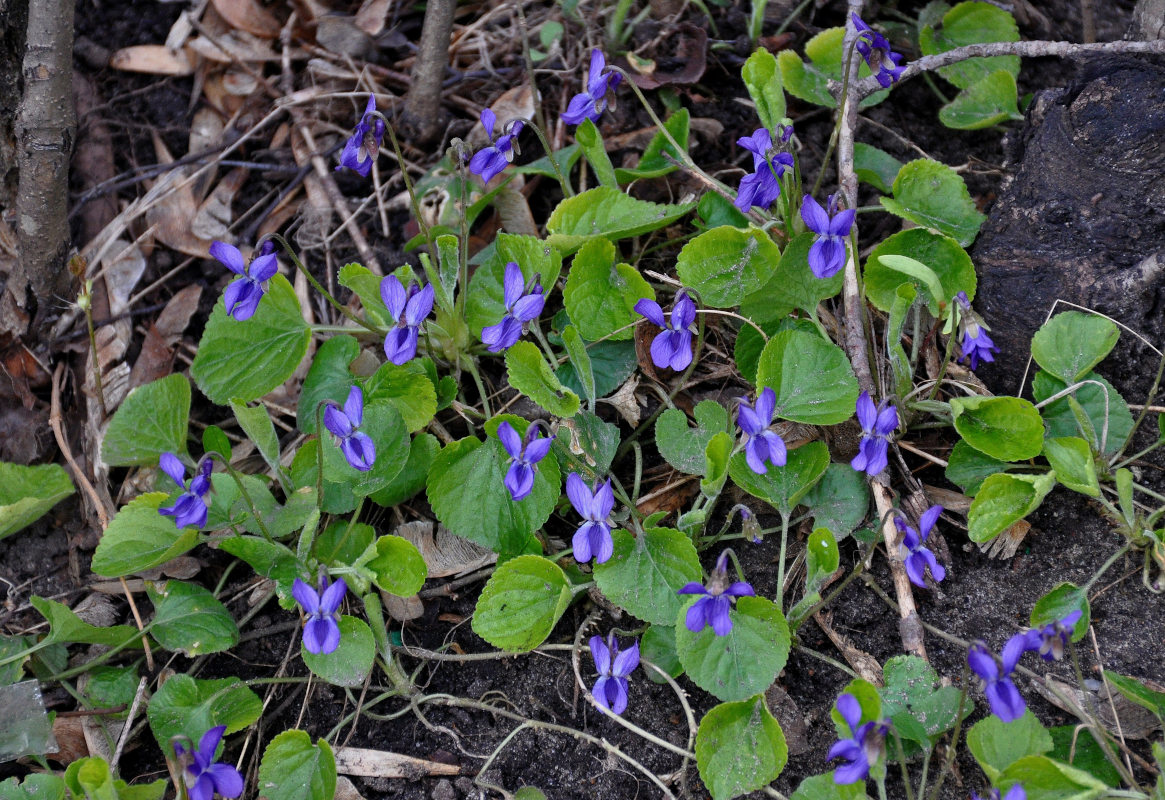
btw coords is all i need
(1083, 220)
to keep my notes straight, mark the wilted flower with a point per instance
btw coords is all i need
(601, 84)
(520, 309)
(364, 144)
(593, 537)
(244, 293)
(916, 556)
(408, 310)
(877, 424)
(1016, 792)
(977, 345)
(357, 446)
(191, 506)
(673, 346)
(762, 187)
(827, 255)
(761, 444)
(861, 751)
(203, 776)
(1004, 699)
(614, 666)
(321, 631)
(491, 160)
(524, 455)
(719, 595)
(882, 61)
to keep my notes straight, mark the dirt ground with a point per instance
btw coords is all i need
(980, 598)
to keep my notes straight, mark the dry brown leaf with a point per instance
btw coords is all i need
(153, 59)
(346, 790)
(233, 46)
(156, 360)
(626, 401)
(444, 552)
(122, 274)
(175, 209)
(340, 35)
(1006, 544)
(402, 609)
(1136, 722)
(249, 16)
(172, 322)
(372, 16)
(214, 216)
(239, 82)
(514, 210)
(362, 762)
(70, 736)
(97, 610)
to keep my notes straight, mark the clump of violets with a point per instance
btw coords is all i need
(915, 555)
(761, 444)
(600, 92)
(593, 537)
(719, 596)
(613, 666)
(521, 306)
(524, 457)
(865, 747)
(202, 775)
(881, 60)
(995, 679)
(191, 506)
(1016, 792)
(762, 187)
(242, 296)
(363, 145)
(672, 347)
(827, 254)
(977, 345)
(408, 309)
(321, 629)
(357, 446)
(877, 422)
(492, 159)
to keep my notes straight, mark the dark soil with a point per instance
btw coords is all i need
(981, 598)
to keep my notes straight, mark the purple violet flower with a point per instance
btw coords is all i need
(357, 446)
(489, 161)
(977, 345)
(202, 775)
(915, 555)
(761, 444)
(600, 91)
(1049, 640)
(861, 751)
(520, 309)
(1016, 792)
(762, 187)
(364, 144)
(524, 455)
(244, 293)
(613, 665)
(877, 424)
(593, 537)
(408, 309)
(321, 630)
(719, 595)
(827, 255)
(882, 61)
(191, 506)
(1005, 700)
(673, 346)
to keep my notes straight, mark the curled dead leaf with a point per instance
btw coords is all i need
(153, 59)
(445, 553)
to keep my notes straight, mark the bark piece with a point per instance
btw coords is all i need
(1084, 216)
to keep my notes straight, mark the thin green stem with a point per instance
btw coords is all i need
(948, 763)
(471, 366)
(781, 561)
(333, 302)
(845, 668)
(238, 479)
(536, 329)
(1105, 567)
(540, 132)
(902, 763)
(950, 351)
(1144, 409)
(396, 675)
